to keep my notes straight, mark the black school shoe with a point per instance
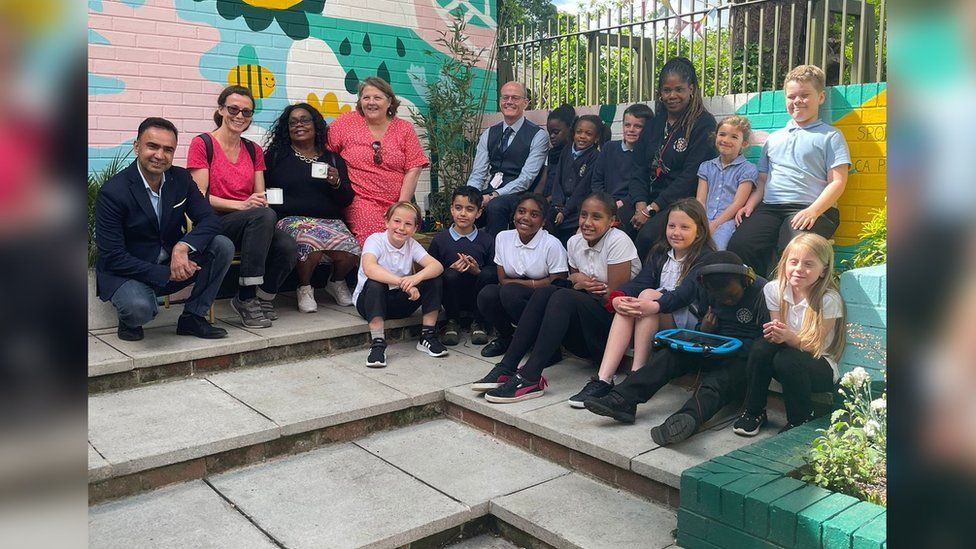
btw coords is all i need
(191, 324)
(495, 347)
(748, 425)
(613, 405)
(674, 429)
(130, 334)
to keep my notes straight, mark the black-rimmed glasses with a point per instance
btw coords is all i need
(234, 111)
(296, 122)
(377, 157)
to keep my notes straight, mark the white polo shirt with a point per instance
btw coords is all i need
(398, 261)
(615, 247)
(542, 256)
(833, 307)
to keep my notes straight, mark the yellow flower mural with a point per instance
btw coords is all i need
(329, 105)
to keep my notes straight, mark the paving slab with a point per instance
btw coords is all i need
(566, 379)
(148, 427)
(103, 359)
(98, 468)
(460, 461)
(665, 464)
(484, 541)
(465, 347)
(162, 346)
(573, 511)
(414, 373)
(187, 515)
(310, 394)
(603, 437)
(294, 326)
(341, 496)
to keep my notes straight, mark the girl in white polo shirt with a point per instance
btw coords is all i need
(570, 313)
(803, 340)
(387, 290)
(527, 258)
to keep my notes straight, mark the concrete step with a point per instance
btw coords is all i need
(389, 489)
(162, 354)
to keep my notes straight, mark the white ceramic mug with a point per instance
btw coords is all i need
(275, 195)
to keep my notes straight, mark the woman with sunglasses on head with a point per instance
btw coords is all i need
(315, 188)
(230, 171)
(382, 153)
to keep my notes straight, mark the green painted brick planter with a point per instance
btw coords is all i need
(745, 499)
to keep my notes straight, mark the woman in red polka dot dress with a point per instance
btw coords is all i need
(383, 155)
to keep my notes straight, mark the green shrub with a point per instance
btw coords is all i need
(874, 242)
(96, 179)
(849, 455)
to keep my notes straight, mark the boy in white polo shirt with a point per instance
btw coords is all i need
(802, 173)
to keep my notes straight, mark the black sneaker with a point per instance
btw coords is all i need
(748, 425)
(674, 429)
(377, 354)
(127, 333)
(496, 347)
(612, 405)
(495, 378)
(431, 345)
(452, 333)
(516, 388)
(479, 335)
(594, 389)
(791, 424)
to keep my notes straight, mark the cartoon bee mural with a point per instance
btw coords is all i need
(260, 80)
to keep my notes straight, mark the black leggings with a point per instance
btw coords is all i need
(723, 380)
(502, 306)
(798, 372)
(558, 316)
(768, 230)
(378, 300)
(645, 237)
(461, 291)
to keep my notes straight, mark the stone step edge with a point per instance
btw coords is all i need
(138, 377)
(103, 487)
(574, 460)
(487, 524)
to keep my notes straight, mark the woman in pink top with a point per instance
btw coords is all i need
(230, 171)
(382, 153)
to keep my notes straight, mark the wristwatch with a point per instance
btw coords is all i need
(649, 211)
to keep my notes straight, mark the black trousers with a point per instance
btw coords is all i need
(767, 232)
(723, 380)
(554, 317)
(378, 300)
(460, 293)
(498, 213)
(648, 234)
(502, 306)
(798, 372)
(268, 254)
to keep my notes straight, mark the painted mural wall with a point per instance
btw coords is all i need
(859, 111)
(171, 58)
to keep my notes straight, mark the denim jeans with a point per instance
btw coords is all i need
(135, 301)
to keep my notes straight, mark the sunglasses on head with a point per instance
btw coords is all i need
(377, 157)
(234, 111)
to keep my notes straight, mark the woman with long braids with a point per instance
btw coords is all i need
(668, 153)
(315, 188)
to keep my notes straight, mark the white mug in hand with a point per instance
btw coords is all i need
(275, 195)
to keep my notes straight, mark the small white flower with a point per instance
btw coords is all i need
(855, 378)
(872, 428)
(879, 405)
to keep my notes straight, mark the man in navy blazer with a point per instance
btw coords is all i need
(144, 248)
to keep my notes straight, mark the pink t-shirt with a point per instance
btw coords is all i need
(231, 180)
(400, 150)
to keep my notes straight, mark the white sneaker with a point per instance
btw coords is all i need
(306, 300)
(339, 292)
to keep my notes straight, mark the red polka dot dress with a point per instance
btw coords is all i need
(377, 186)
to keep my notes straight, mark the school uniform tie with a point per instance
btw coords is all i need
(506, 135)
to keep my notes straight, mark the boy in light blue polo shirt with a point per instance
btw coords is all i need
(802, 173)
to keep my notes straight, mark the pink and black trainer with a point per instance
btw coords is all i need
(515, 389)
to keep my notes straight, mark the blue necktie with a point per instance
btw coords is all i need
(505, 138)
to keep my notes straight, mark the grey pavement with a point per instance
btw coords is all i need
(104, 359)
(466, 464)
(574, 511)
(158, 425)
(189, 515)
(340, 496)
